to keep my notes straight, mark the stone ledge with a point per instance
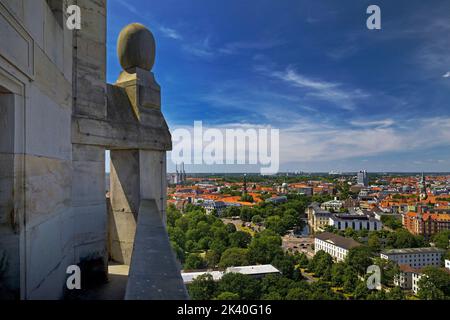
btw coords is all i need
(154, 273)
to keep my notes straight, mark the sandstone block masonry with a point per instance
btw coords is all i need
(57, 117)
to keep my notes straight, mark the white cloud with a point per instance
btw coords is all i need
(200, 49)
(447, 75)
(335, 93)
(170, 33)
(313, 141)
(129, 7)
(236, 47)
(374, 123)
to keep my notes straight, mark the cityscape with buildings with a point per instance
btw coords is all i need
(303, 230)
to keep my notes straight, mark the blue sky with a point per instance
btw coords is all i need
(343, 97)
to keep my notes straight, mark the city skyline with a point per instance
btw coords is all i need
(343, 97)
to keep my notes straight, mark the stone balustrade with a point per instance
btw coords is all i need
(154, 272)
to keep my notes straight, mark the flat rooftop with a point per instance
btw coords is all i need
(413, 251)
(188, 277)
(254, 270)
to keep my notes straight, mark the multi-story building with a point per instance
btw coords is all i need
(415, 257)
(318, 219)
(404, 278)
(355, 222)
(334, 205)
(362, 178)
(333, 244)
(308, 191)
(426, 224)
(277, 200)
(211, 206)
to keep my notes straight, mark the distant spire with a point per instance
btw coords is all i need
(183, 172)
(245, 184)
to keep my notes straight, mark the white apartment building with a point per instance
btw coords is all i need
(334, 245)
(334, 205)
(211, 205)
(415, 257)
(355, 222)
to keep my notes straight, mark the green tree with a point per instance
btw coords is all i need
(377, 295)
(338, 274)
(361, 291)
(286, 264)
(298, 293)
(179, 252)
(359, 258)
(396, 293)
(275, 224)
(264, 247)
(240, 239)
(172, 215)
(374, 242)
(434, 284)
(246, 214)
(350, 279)
(271, 296)
(441, 239)
(194, 261)
(202, 288)
(246, 287)
(234, 257)
(392, 222)
(302, 260)
(212, 258)
(227, 296)
(275, 283)
(256, 219)
(247, 198)
(321, 265)
(231, 228)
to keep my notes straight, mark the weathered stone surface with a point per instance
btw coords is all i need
(122, 230)
(136, 48)
(90, 72)
(154, 273)
(51, 81)
(47, 260)
(122, 129)
(53, 39)
(56, 120)
(153, 178)
(47, 121)
(20, 45)
(88, 186)
(48, 188)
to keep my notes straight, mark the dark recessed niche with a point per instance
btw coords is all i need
(56, 6)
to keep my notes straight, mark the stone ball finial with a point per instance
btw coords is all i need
(136, 48)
